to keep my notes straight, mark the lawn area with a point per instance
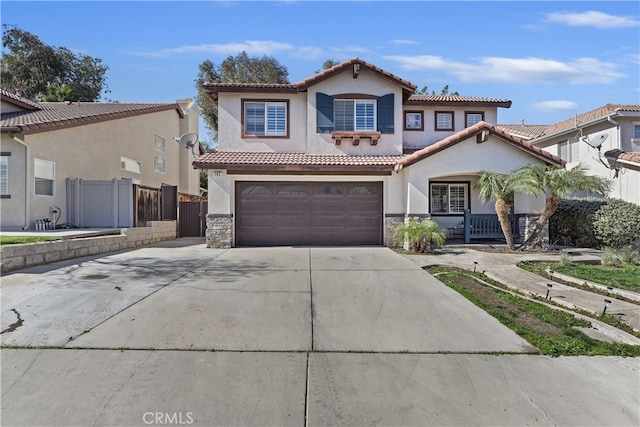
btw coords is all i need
(626, 277)
(552, 331)
(14, 240)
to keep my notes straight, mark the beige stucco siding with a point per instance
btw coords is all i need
(344, 83)
(429, 136)
(230, 124)
(12, 209)
(464, 162)
(94, 152)
(627, 185)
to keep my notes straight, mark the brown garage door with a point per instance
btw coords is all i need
(308, 213)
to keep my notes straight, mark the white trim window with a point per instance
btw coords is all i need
(265, 118)
(354, 114)
(159, 143)
(449, 198)
(159, 165)
(45, 177)
(473, 118)
(4, 175)
(444, 120)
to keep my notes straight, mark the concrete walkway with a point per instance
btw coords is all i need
(179, 334)
(502, 267)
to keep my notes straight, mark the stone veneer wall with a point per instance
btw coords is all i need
(14, 257)
(528, 224)
(219, 232)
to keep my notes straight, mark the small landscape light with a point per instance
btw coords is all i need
(549, 286)
(475, 265)
(609, 289)
(550, 271)
(606, 304)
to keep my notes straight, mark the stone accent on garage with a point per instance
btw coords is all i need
(391, 221)
(219, 232)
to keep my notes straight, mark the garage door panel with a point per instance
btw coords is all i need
(290, 213)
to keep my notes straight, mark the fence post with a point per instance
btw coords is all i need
(467, 226)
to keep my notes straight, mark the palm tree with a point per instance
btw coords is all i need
(498, 187)
(57, 93)
(420, 234)
(556, 182)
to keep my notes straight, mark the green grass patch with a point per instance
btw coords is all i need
(625, 277)
(14, 240)
(552, 331)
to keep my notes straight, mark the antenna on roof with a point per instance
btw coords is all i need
(188, 141)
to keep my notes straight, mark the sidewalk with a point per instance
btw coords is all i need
(503, 268)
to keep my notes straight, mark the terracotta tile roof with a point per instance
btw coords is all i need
(58, 115)
(524, 131)
(600, 113)
(325, 74)
(617, 155)
(214, 88)
(245, 160)
(18, 100)
(455, 100)
(472, 131)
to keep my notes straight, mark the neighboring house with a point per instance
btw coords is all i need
(46, 143)
(604, 139)
(345, 156)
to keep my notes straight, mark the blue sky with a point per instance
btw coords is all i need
(552, 59)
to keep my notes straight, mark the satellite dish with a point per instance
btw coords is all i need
(188, 141)
(597, 141)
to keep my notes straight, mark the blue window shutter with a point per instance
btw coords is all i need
(324, 116)
(385, 113)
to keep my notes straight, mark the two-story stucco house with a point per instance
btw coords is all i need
(346, 155)
(606, 140)
(46, 143)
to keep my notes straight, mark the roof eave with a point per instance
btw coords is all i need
(251, 169)
(502, 104)
(551, 136)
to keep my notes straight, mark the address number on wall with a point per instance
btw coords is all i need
(217, 173)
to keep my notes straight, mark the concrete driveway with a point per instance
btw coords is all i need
(180, 334)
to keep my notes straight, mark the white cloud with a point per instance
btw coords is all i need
(556, 106)
(592, 18)
(516, 70)
(397, 41)
(252, 47)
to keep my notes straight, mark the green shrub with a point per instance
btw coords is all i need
(420, 235)
(610, 257)
(617, 223)
(629, 256)
(572, 223)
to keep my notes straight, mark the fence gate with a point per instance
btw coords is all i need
(192, 217)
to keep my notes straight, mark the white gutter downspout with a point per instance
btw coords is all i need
(27, 199)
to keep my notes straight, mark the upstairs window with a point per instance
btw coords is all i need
(365, 113)
(159, 143)
(354, 114)
(265, 118)
(45, 176)
(413, 120)
(444, 120)
(158, 164)
(473, 118)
